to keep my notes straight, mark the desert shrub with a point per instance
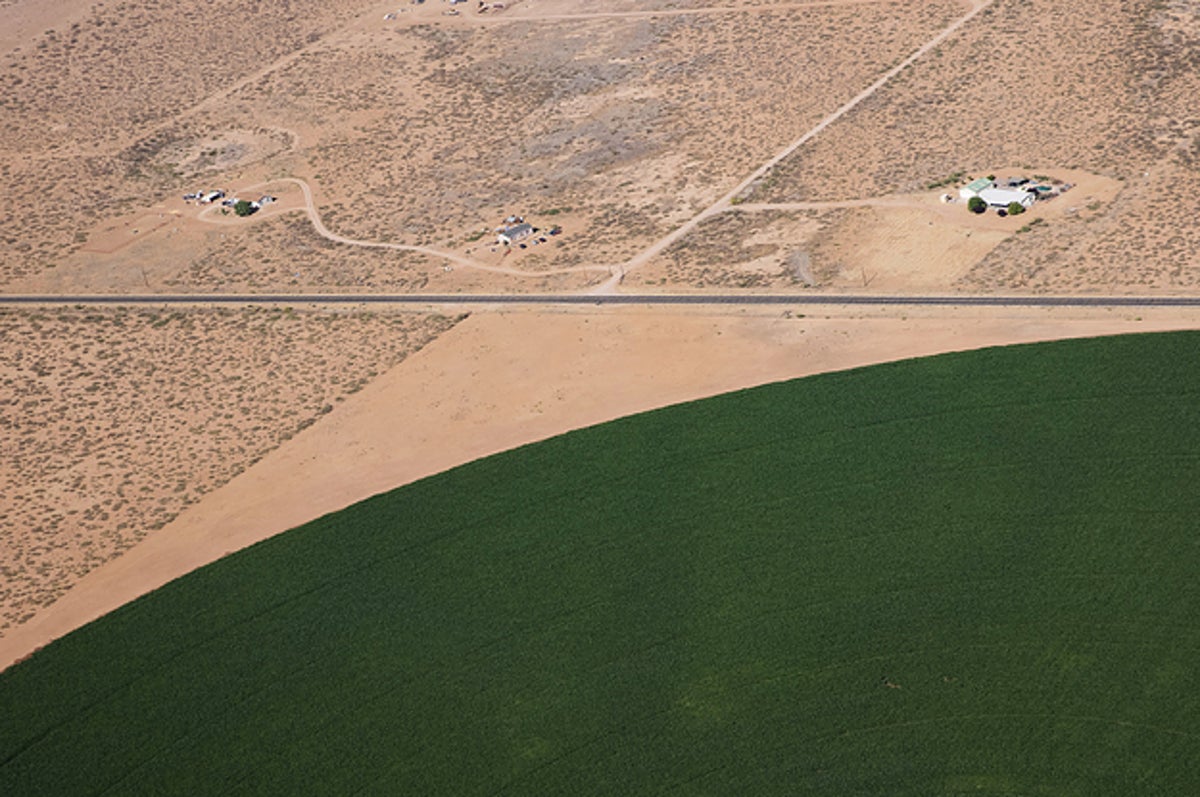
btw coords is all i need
(1015, 208)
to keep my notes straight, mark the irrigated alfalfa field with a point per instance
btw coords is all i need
(974, 574)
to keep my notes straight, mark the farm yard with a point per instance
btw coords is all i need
(970, 573)
(902, 242)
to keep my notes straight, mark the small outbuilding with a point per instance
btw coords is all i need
(514, 234)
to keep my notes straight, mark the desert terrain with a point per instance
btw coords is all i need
(671, 146)
(1105, 88)
(113, 421)
(498, 380)
(616, 122)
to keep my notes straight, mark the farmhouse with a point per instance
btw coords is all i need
(514, 233)
(973, 188)
(1003, 197)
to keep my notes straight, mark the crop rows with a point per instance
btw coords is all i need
(969, 573)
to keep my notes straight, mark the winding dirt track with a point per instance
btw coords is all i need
(722, 205)
(310, 209)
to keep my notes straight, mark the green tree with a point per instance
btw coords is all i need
(976, 205)
(243, 208)
(1015, 208)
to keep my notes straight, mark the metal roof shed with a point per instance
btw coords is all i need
(518, 232)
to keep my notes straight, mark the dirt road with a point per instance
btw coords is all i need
(310, 209)
(659, 246)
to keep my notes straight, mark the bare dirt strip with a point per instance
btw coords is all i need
(530, 14)
(503, 379)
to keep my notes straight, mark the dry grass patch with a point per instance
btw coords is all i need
(898, 250)
(430, 131)
(1105, 87)
(771, 249)
(113, 421)
(82, 110)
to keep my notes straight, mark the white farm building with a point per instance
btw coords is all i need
(996, 197)
(514, 234)
(1003, 197)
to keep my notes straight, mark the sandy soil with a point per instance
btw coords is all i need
(500, 380)
(113, 420)
(425, 129)
(889, 244)
(22, 20)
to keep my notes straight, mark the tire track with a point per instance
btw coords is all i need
(725, 201)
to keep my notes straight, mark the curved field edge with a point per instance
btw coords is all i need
(972, 572)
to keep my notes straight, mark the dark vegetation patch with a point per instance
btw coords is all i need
(971, 573)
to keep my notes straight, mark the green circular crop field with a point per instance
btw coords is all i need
(970, 574)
